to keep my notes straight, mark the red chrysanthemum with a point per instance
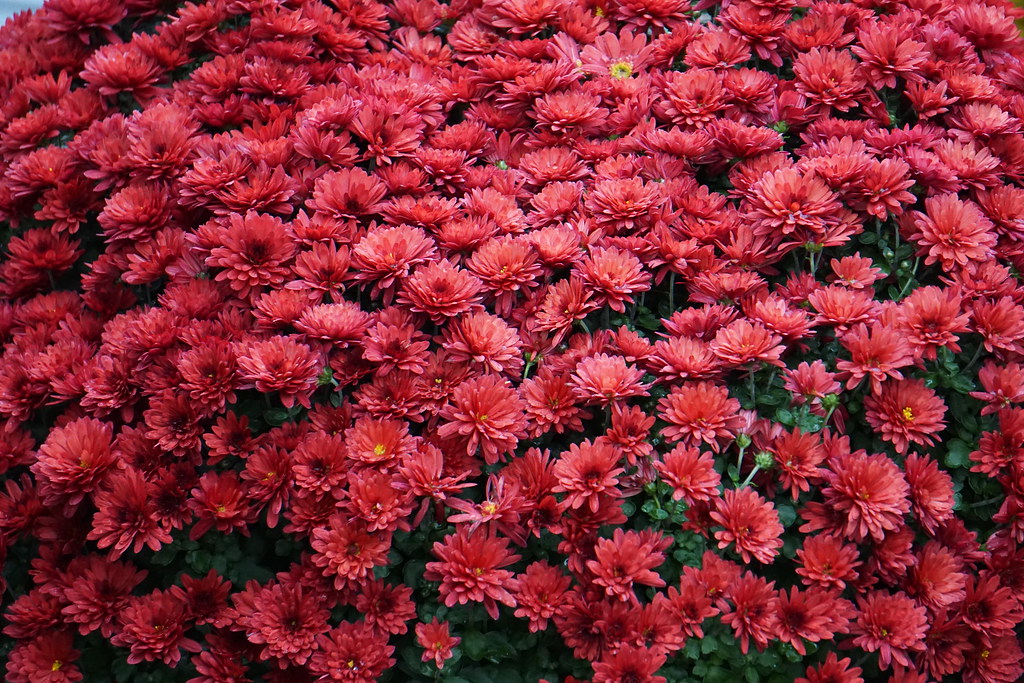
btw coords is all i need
(486, 413)
(892, 625)
(471, 569)
(868, 492)
(750, 522)
(906, 412)
(701, 412)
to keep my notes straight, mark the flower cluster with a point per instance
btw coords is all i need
(655, 340)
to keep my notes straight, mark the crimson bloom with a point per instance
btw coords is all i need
(906, 412)
(436, 641)
(471, 569)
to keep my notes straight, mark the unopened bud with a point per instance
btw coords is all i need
(764, 459)
(742, 440)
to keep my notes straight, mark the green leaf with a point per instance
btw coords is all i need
(474, 644)
(957, 454)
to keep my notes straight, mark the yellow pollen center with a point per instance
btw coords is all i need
(351, 664)
(57, 664)
(478, 571)
(985, 654)
(379, 449)
(620, 70)
(482, 418)
(489, 508)
(908, 414)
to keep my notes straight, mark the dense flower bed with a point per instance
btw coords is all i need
(510, 340)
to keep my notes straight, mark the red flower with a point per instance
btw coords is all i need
(892, 625)
(347, 551)
(741, 342)
(587, 471)
(471, 570)
(539, 593)
(701, 412)
(754, 611)
(628, 558)
(787, 202)
(906, 412)
(603, 380)
(868, 492)
(630, 663)
(952, 232)
(486, 414)
(814, 615)
(98, 593)
(153, 627)
(74, 461)
(484, 341)
(284, 619)
(832, 670)
(877, 354)
(750, 522)
(436, 641)
(827, 562)
(614, 275)
(387, 255)
(253, 250)
(442, 291)
(353, 653)
(279, 364)
(690, 473)
(125, 516)
(48, 658)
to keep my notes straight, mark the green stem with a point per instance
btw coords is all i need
(671, 292)
(750, 476)
(739, 463)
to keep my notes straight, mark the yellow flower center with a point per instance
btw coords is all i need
(620, 70)
(478, 571)
(908, 414)
(379, 449)
(57, 664)
(489, 508)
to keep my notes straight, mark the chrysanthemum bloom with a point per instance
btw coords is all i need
(1000, 324)
(788, 202)
(353, 653)
(98, 593)
(586, 471)
(347, 551)
(626, 559)
(385, 256)
(906, 412)
(750, 522)
(701, 412)
(931, 491)
(988, 607)
(797, 457)
(482, 339)
(551, 403)
(755, 610)
(832, 670)
(615, 275)
(219, 502)
(174, 423)
(209, 374)
(829, 77)
(485, 413)
(441, 291)
(690, 473)
(1003, 386)
(206, 598)
(254, 252)
(153, 627)
(284, 619)
(48, 658)
(869, 492)
(842, 307)
(877, 354)
(75, 460)
(471, 569)
(813, 615)
(539, 592)
(936, 579)
(932, 318)
(892, 625)
(436, 640)
(507, 266)
(347, 195)
(630, 663)
(741, 342)
(952, 232)
(603, 379)
(279, 364)
(125, 516)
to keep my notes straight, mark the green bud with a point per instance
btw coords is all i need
(830, 401)
(325, 377)
(764, 460)
(502, 165)
(742, 440)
